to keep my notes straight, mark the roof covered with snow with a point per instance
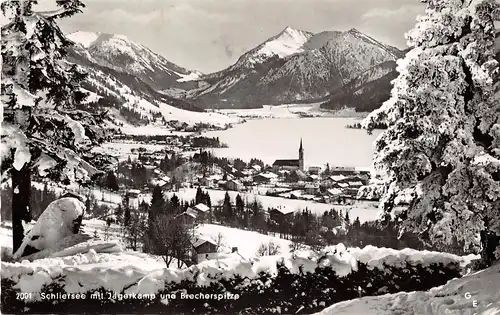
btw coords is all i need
(284, 209)
(202, 207)
(202, 240)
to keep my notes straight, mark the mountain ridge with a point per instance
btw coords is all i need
(292, 66)
(122, 54)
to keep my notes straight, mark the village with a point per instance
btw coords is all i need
(186, 164)
(189, 165)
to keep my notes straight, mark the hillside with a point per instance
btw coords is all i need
(294, 66)
(366, 92)
(371, 94)
(119, 87)
(124, 55)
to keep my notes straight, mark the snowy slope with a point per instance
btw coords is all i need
(171, 113)
(247, 242)
(478, 294)
(287, 43)
(367, 91)
(84, 38)
(115, 90)
(122, 54)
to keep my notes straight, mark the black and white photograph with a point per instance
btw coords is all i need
(327, 157)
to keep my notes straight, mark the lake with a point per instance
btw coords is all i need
(325, 140)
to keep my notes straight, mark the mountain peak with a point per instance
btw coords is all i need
(86, 39)
(354, 31)
(287, 42)
(289, 29)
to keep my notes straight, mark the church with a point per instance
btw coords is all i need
(291, 164)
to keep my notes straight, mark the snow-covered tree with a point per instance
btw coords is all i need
(443, 136)
(42, 131)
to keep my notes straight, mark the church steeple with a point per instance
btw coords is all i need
(301, 156)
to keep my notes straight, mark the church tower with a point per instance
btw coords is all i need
(301, 156)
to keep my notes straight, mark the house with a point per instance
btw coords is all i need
(340, 185)
(256, 168)
(234, 185)
(296, 194)
(187, 217)
(201, 211)
(335, 192)
(221, 184)
(314, 170)
(286, 165)
(338, 178)
(198, 213)
(281, 213)
(162, 182)
(357, 184)
(206, 181)
(202, 208)
(202, 248)
(291, 164)
(133, 193)
(342, 170)
(311, 189)
(312, 178)
(261, 178)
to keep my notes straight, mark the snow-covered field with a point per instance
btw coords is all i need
(121, 150)
(171, 113)
(475, 294)
(101, 195)
(248, 242)
(152, 130)
(365, 212)
(290, 111)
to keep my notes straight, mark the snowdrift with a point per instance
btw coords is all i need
(61, 219)
(478, 294)
(306, 281)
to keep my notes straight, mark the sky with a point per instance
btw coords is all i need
(209, 35)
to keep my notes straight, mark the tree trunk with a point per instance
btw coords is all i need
(489, 242)
(21, 210)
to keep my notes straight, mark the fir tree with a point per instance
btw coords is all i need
(239, 207)
(442, 145)
(157, 203)
(175, 204)
(111, 181)
(126, 211)
(347, 219)
(199, 196)
(208, 202)
(227, 207)
(43, 131)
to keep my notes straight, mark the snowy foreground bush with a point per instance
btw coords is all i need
(127, 282)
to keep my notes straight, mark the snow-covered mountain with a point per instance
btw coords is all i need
(294, 66)
(124, 55)
(366, 94)
(125, 87)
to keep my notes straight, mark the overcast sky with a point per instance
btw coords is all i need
(209, 35)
